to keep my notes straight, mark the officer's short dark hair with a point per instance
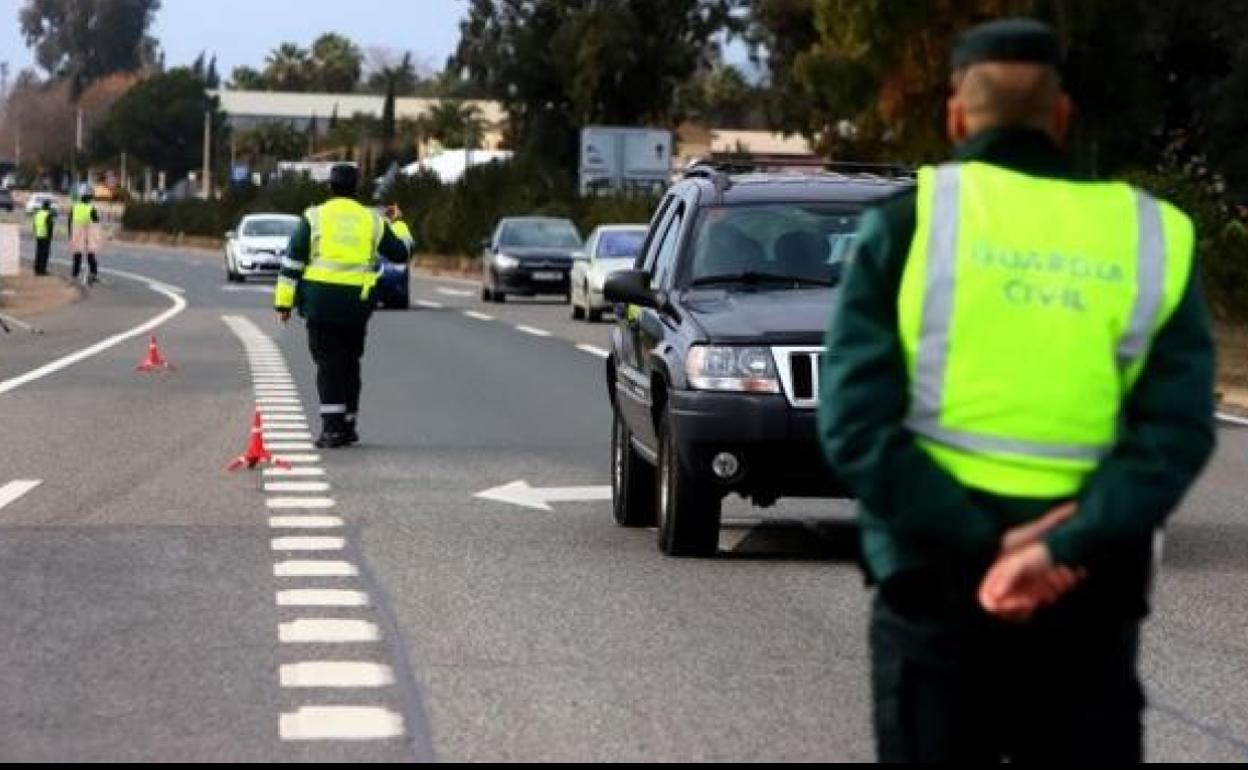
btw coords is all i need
(344, 178)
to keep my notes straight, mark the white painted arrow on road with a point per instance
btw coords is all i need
(521, 494)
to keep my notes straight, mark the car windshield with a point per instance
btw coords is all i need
(541, 233)
(262, 228)
(620, 244)
(786, 244)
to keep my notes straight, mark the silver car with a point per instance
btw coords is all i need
(609, 248)
(258, 245)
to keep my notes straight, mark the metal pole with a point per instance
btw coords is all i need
(207, 188)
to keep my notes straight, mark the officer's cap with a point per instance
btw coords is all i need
(1007, 40)
(344, 178)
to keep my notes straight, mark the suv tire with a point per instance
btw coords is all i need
(632, 480)
(688, 511)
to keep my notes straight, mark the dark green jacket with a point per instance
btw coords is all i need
(323, 303)
(915, 515)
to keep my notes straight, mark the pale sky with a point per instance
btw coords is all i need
(242, 32)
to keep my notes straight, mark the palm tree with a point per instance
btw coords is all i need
(288, 68)
(455, 124)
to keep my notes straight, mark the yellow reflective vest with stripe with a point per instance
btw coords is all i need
(43, 223)
(1026, 311)
(344, 240)
(80, 214)
(403, 233)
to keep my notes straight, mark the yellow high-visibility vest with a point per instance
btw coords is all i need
(42, 223)
(1026, 311)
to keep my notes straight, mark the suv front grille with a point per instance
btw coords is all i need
(798, 368)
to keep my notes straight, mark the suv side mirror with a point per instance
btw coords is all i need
(630, 287)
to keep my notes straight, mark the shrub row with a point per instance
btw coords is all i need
(445, 219)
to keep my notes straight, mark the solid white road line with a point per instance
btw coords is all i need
(429, 304)
(280, 409)
(287, 400)
(453, 292)
(287, 435)
(294, 471)
(302, 458)
(299, 502)
(308, 543)
(478, 316)
(314, 568)
(533, 330)
(593, 351)
(305, 522)
(327, 631)
(335, 673)
(1231, 418)
(15, 489)
(321, 597)
(296, 486)
(345, 723)
(290, 446)
(172, 292)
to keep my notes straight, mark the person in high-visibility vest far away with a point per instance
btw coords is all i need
(328, 276)
(84, 220)
(1019, 390)
(43, 224)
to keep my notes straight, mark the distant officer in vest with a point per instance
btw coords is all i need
(394, 215)
(84, 218)
(1020, 394)
(328, 275)
(43, 223)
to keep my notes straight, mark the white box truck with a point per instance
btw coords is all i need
(615, 159)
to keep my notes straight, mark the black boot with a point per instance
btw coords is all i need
(352, 436)
(333, 432)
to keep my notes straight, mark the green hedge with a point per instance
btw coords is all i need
(445, 219)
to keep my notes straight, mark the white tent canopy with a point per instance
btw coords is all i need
(450, 165)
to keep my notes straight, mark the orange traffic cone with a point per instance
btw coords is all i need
(256, 454)
(154, 359)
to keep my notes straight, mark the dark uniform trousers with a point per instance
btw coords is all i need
(43, 249)
(337, 350)
(952, 684)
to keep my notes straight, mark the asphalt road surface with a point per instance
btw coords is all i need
(369, 605)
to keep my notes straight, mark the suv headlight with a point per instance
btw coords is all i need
(506, 263)
(737, 369)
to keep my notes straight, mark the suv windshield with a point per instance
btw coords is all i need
(620, 244)
(550, 233)
(798, 244)
(270, 227)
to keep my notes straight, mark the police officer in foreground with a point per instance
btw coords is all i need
(1021, 394)
(329, 273)
(43, 224)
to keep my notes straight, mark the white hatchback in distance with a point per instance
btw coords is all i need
(609, 248)
(258, 245)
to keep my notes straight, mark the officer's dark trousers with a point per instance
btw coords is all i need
(337, 350)
(951, 684)
(95, 268)
(43, 249)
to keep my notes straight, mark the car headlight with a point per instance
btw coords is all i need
(506, 263)
(736, 369)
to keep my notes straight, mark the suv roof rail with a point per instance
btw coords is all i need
(756, 164)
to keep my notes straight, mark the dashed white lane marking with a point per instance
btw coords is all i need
(294, 471)
(343, 723)
(305, 522)
(321, 597)
(289, 400)
(478, 316)
(304, 543)
(281, 409)
(1231, 419)
(327, 631)
(287, 421)
(314, 568)
(302, 458)
(287, 435)
(300, 502)
(533, 330)
(453, 292)
(336, 673)
(291, 446)
(296, 486)
(429, 304)
(15, 489)
(593, 350)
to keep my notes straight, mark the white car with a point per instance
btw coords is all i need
(35, 202)
(258, 245)
(610, 248)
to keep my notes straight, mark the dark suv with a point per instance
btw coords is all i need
(714, 365)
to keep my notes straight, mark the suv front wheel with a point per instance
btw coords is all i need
(688, 510)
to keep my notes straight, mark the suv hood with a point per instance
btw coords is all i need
(772, 317)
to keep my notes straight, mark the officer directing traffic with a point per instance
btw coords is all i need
(328, 274)
(43, 223)
(1021, 393)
